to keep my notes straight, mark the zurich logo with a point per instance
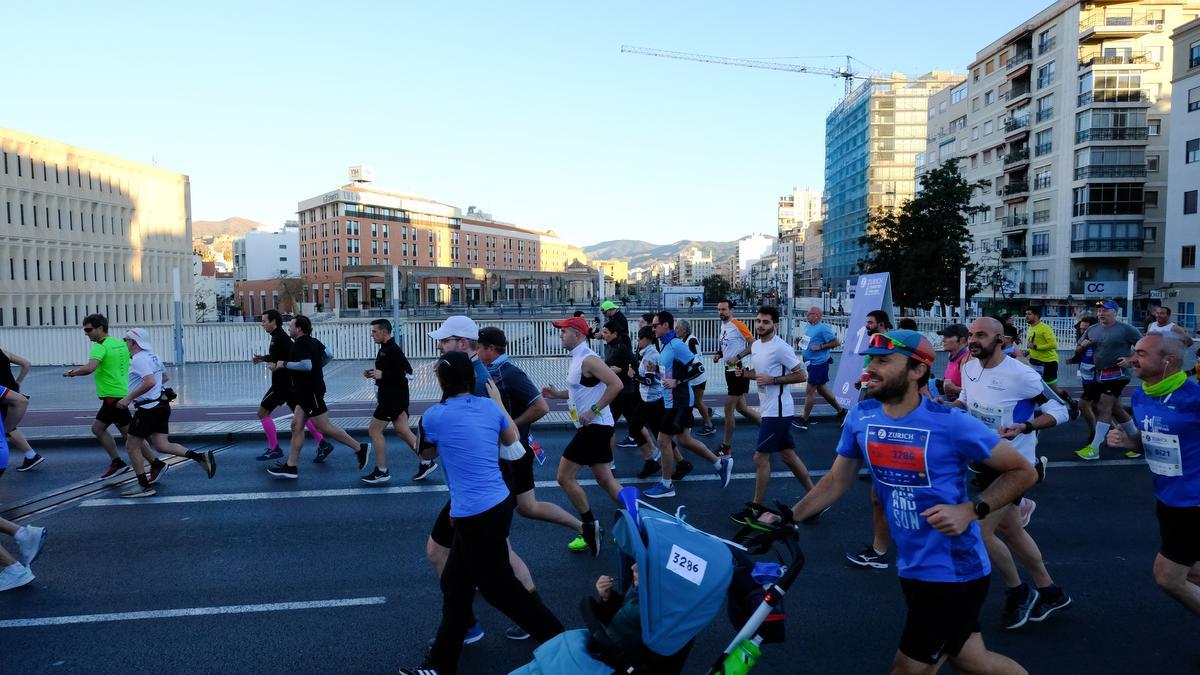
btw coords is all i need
(882, 433)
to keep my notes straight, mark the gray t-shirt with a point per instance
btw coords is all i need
(1112, 343)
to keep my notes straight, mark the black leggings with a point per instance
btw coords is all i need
(479, 559)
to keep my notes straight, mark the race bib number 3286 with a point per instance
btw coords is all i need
(897, 455)
(686, 564)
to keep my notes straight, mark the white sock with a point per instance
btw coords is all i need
(1101, 431)
(717, 464)
(21, 532)
(667, 483)
(1129, 428)
(30, 454)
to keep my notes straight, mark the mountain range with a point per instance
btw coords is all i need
(643, 253)
(234, 227)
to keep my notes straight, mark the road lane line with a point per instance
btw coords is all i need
(191, 611)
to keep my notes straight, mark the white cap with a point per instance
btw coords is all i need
(140, 336)
(457, 326)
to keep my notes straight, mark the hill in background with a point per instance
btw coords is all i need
(234, 227)
(643, 253)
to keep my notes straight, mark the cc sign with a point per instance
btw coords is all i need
(1098, 288)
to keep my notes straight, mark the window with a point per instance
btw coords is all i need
(958, 94)
(1151, 197)
(1149, 234)
(988, 127)
(282, 258)
(989, 97)
(974, 133)
(1192, 153)
(975, 73)
(1193, 57)
(1155, 127)
(1193, 99)
(1041, 178)
(1045, 42)
(1045, 76)
(1041, 244)
(1152, 163)
(1188, 257)
(1039, 281)
(1043, 142)
(283, 246)
(989, 67)
(1189, 201)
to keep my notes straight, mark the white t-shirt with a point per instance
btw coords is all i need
(775, 358)
(648, 365)
(1008, 394)
(693, 344)
(731, 339)
(142, 364)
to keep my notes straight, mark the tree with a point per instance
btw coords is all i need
(716, 287)
(691, 301)
(925, 242)
(992, 274)
(290, 288)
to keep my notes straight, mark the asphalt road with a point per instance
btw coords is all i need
(352, 558)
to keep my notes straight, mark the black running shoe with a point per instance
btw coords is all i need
(377, 477)
(1052, 599)
(282, 470)
(592, 536)
(269, 454)
(361, 454)
(649, 468)
(324, 448)
(628, 442)
(157, 469)
(424, 469)
(800, 423)
(723, 450)
(1018, 604)
(29, 463)
(867, 557)
(209, 462)
(682, 468)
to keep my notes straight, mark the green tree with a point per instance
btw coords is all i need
(716, 287)
(925, 242)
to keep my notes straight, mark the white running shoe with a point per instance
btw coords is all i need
(15, 576)
(30, 539)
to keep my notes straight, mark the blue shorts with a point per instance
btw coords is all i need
(818, 373)
(775, 435)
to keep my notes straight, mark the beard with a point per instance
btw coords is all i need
(889, 390)
(982, 352)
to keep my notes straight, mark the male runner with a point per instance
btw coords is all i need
(1086, 358)
(733, 345)
(1043, 352)
(683, 328)
(15, 438)
(918, 452)
(152, 414)
(677, 365)
(1112, 342)
(390, 375)
(873, 555)
(16, 573)
(1005, 395)
(279, 349)
(613, 313)
(814, 346)
(591, 387)
(1162, 324)
(1167, 406)
(647, 420)
(109, 360)
(306, 363)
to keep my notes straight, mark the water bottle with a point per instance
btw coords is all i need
(743, 658)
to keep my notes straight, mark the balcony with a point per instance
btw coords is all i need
(1020, 155)
(1011, 252)
(1137, 208)
(1112, 134)
(1021, 57)
(1041, 216)
(1094, 58)
(1016, 125)
(1016, 95)
(1014, 222)
(1110, 171)
(1045, 114)
(1015, 188)
(1118, 24)
(1114, 96)
(1118, 246)
(1039, 287)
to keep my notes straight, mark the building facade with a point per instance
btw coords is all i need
(85, 232)
(267, 254)
(872, 139)
(1181, 277)
(798, 212)
(752, 248)
(692, 267)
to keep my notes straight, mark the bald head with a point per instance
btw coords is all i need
(984, 338)
(814, 315)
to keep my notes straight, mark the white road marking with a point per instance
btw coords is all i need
(245, 413)
(432, 488)
(191, 611)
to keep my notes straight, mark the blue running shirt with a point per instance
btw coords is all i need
(466, 430)
(672, 364)
(918, 461)
(1170, 429)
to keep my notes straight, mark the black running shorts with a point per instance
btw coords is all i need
(518, 474)
(1047, 369)
(1180, 530)
(109, 413)
(1093, 390)
(649, 415)
(941, 616)
(737, 386)
(149, 421)
(623, 404)
(313, 405)
(273, 399)
(676, 420)
(590, 445)
(443, 528)
(388, 411)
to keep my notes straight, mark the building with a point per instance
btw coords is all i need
(809, 279)
(557, 255)
(1075, 158)
(268, 254)
(1180, 274)
(752, 248)
(797, 213)
(872, 139)
(768, 278)
(617, 269)
(692, 267)
(86, 232)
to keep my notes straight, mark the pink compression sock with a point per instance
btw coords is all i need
(272, 433)
(312, 429)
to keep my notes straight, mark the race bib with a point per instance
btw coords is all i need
(574, 416)
(1109, 374)
(1162, 453)
(1087, 371)
(992, 416)
(686, 564)
(897, 455)
(803, 342)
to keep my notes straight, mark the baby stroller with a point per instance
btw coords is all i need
(683, 575)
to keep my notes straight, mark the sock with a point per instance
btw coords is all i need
(668, 483)
(30, 454)
(1129, 428)
(312, 429)
(1101, 432)
(717, 465)
(1050, 591)
(268, 425)
(143, 480)
(878, 552)
(193, 455)
(15, 567)
(157, 463)
(587, 516)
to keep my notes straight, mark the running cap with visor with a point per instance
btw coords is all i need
(957, 330)
(906, 342)
(577, 322)
(141, 336)
(457, 326)
(607, 305)
(1109, 304)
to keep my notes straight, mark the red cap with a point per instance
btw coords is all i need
(576, 322)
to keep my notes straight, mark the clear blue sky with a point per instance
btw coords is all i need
(526, 109)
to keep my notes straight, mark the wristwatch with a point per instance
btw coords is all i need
(1028, 427)
(982, 509)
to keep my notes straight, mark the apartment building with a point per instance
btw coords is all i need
(84, 232)
(1181, 291)
(799, 218)
(692, 267)
(267, 254)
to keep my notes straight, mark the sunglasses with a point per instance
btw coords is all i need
(87, 329)
(881, 341)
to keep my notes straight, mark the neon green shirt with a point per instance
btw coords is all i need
(112, 376)
(1043, 345)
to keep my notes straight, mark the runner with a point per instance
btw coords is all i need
(1112, 342)
(591, 387)
(917, 452)
(874, 554)
(1086, 358)
(733, 345)
(775, 367)
(15, 438)
(1009, 339)
(390, 374)
(954, 343)
(466, 431)
(279, 350)
(1168, 407)
(109, 359)
(15, 573)
(1162, 324)
(683, 328)
(152, 413)
(814, 346)
(648, 417)
(618, 356)
(677, 365)
(1043, 354)
(613, 313)
(305, 364)
(1005, 395)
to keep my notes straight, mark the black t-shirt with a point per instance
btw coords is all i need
(395, 367)
(7, 379)
(308, 381)
(280, 350)
(517, 392)
(617, 353)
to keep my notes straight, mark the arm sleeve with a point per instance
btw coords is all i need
(848, 443)
(302, 364)
(97, 352)
(972, 438)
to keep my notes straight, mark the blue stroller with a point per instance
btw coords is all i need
(683, 575)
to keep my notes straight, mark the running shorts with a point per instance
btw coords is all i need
(1179, 527)
(518, 474)
(313, 405)
(676, 420)
(736, 386)
(941, 616)
(590, 445)
(1048, 370)
(109, 413)
(818, 373)
(775, 435)
(986, 475)
(443, 528)
(148, 421)
(389, 411)
(273, 399)
(1093, 390)
(649, 415)
(623, 404)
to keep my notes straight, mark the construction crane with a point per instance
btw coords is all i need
(845, 73)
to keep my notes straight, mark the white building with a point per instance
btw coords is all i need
(691, 267)
(267, 254)
(752, 248)
(82, 232)
(1181, 275)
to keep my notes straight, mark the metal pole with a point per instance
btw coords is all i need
(791, 293)
(175, 282)
(1129, 297)
(396, 301)
(962, 295)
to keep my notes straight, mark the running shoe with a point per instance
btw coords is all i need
(682, 469)
(138, 490)
(723, 450)
(707, 430)
(868, 557)
(1074, 409)
(424, 469)
(282, 470)
(1018, 604)
(157, 469)
(1052, 599)
(1026, 510)
(30, 540)
(515, 632)
(659, 490)
(115, 468)
(801, 423)
(577, 545)
(649, 468)
(1132, 454)
(657, 454)
(15, 578)
(1042, 466)
(209, 462)
(324, 449)
(29, 463)
(361, 454)
(474, 634)
(627, 442)
(748, 517)
(1088, 453)
(270, 453)
(592, 535)
(725, 471)
(377, 476)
